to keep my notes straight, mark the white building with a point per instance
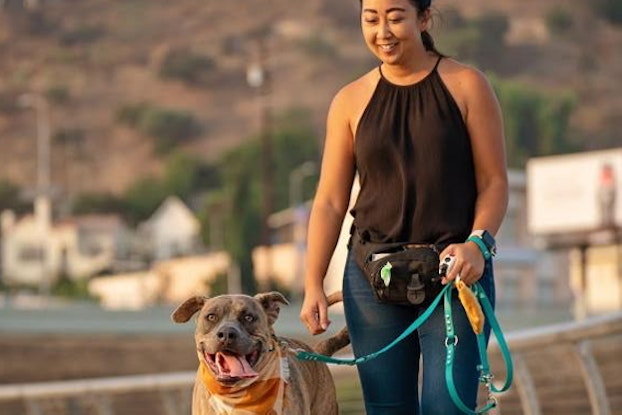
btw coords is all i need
(172, 231)
(34, 252)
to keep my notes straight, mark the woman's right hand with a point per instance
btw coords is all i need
(314, 311)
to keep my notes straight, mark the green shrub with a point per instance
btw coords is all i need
(493, 27)
(610, 10)
(81, 35)
(480, 40)
(10, 197)
(558, 20)
(65, 287)
(86, 203)
(71, 137)
(131, 114)
(57, 94)
(317, 46)
(142, 198)
(186, 66)
(169, 128)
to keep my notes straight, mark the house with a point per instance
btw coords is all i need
(37, 251)
(172, 231)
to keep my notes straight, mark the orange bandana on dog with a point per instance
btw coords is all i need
(259, 395)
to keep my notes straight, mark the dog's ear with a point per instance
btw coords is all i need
(187, 309)
(270, 303)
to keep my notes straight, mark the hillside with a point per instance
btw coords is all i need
(94, 59)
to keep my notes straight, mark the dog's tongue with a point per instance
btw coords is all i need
(234, 366)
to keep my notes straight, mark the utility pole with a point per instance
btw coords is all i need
(300, 216)
(258, 78)
(42, 203)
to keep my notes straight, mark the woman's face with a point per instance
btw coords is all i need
(392, 29)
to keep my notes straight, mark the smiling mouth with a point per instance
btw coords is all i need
(229, 366)
(388, 47)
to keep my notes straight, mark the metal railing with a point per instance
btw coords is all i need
(570, 368)
(172, 391)
(562, 369)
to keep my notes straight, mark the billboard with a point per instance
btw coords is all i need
(575, 197)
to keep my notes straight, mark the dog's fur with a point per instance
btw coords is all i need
(242, 326)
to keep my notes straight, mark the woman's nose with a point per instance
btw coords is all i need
(384, 31)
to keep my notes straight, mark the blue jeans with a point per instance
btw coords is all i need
(390, 381)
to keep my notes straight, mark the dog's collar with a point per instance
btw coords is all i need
(276, 343)
(273, 344)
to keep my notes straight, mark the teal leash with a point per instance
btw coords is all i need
(304, 355)
(485, 376)
(451, 341)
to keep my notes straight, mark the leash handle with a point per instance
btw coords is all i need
(305, 355)
(503, 346)
(484, 367)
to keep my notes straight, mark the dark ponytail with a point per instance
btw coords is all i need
(428, 43)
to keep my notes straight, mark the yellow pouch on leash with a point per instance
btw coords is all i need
(471, 306)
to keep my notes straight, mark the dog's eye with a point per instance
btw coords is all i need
(211, 317)
(249, 318)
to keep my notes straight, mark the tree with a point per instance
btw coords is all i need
(536, 122)
(10, 197)
(186, 175)
(142, 198)
(294, 143)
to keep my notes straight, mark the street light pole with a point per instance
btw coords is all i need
(299, 220)
(296, 177)
(42, 204)
(258, 78)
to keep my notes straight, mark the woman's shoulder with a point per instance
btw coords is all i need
(357, 92)
(463, 76)
(466, 83)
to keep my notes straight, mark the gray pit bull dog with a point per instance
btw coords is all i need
(244, 368)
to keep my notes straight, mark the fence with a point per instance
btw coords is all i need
(563, 369)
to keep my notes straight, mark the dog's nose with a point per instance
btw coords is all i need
(227, 334)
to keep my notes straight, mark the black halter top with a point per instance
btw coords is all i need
(415, 165)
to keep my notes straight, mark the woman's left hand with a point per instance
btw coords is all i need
(468, 265)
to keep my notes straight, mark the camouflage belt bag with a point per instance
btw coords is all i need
(405, 274)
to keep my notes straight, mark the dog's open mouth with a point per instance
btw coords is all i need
(229, 366)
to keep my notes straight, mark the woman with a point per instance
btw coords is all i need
(425, 135)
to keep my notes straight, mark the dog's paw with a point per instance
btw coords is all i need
(333, 344)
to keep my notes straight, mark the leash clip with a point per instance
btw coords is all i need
(492, 400)
(453, 339)
(486, 378)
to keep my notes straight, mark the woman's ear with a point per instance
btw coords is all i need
(425, 19)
